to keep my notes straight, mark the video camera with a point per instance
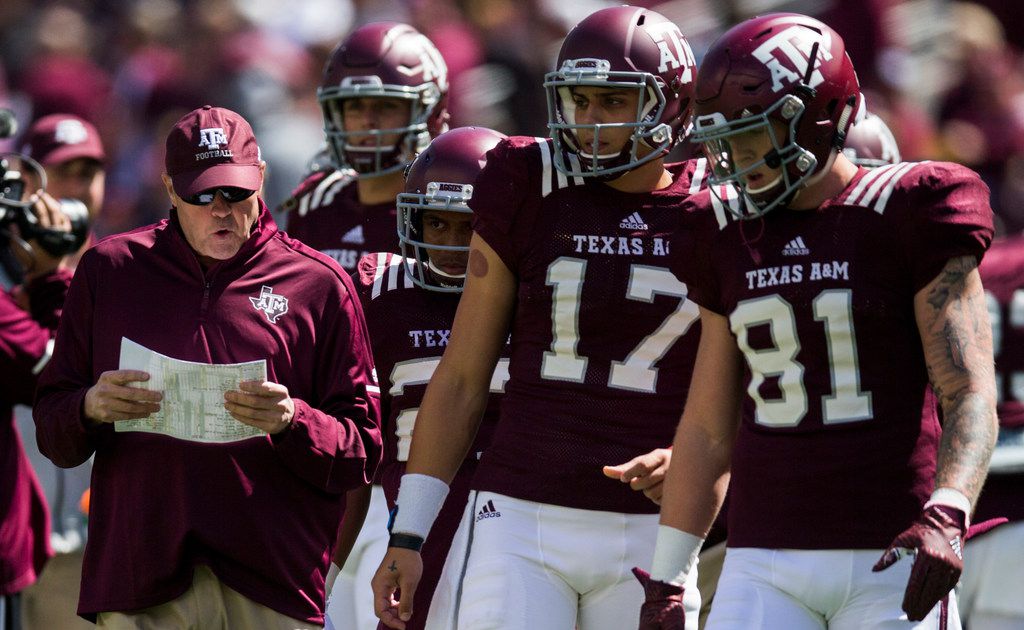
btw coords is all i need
(13, 167)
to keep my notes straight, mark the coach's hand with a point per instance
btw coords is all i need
(644, 473)
(400, 571)
(261, 404)
(112, 399)
(936, 540)
(663, 604)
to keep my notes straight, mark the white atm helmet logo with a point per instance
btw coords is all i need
(787, 55)
(675, 51)
(212, 138)
(431, 65)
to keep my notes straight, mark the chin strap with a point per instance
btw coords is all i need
(434, 269)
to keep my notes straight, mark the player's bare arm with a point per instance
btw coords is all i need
(451, 409)
(699, 473)
(953, 322)
(457, 394)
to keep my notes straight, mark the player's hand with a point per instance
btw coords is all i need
(663, 604)
(645, 473)
(261, 404)
(400, 571)
(112, 398)
(936, 540)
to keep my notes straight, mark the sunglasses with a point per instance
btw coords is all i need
(231, 194)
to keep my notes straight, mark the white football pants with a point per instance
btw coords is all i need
(350, 603)
(992, 586)
(522, 565)
(770, 589)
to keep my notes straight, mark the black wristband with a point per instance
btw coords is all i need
(405, 541)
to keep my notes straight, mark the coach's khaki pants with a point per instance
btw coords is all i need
(207, 604)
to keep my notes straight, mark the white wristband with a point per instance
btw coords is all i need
(675, 553)
(953, 498)
(420, 498)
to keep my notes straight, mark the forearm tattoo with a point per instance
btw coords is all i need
(957, 340)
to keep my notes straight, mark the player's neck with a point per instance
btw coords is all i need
(382, 189)
(644, 178)
(830, 185)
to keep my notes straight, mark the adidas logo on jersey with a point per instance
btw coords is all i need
(355, 235)
(633, 222)
(796, 247)
(487, 511)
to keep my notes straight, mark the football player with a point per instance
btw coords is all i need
(569, 255)
(993, 578)
(840, 308)
(871, 144)
(384, 95)
(411, 301)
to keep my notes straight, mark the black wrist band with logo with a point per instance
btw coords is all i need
(405, 541)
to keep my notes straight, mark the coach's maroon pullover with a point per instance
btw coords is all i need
(261, 512)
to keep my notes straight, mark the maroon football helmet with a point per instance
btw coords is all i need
(757, 72)
(871, 144)
(624, 48)
(441, 178)
(384, 59)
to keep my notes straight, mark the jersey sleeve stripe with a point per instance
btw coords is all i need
(545, 163)
(884, 197)
(378, 276)
(575, 161)
(865, 182)
(322, 187)
(879, 182)
(407, 271)
(699, 171)
(393, 266)
(729, 193)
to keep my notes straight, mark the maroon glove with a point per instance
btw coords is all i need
(936, 538)
(663, 604)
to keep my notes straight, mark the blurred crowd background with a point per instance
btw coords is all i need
(947, 76)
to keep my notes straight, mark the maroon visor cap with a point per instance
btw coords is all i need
(212, 147)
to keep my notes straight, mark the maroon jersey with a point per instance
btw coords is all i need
(1002, 273)
(409, 330)
(603, 337)
(261, 512)
(324, 212)
(838, 441)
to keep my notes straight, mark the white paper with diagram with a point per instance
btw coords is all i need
(193, 404)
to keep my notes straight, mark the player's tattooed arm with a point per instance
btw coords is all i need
(952, 318)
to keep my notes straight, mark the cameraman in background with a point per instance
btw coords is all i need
(36, 239)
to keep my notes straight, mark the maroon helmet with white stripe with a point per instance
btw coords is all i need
(391, 60)
(441, 180)
(624, 48)
(786, 68)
